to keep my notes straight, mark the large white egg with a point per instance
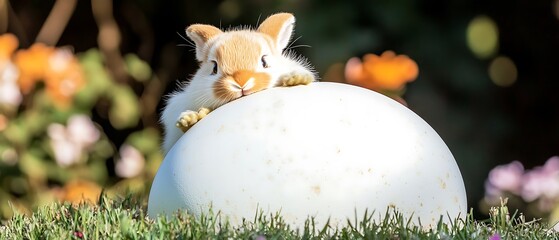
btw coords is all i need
(325, 150)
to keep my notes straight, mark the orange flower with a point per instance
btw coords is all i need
(81, 191)
(58, 68)
(63, 77)
(32, 64)
(380, 73)
(8, 44)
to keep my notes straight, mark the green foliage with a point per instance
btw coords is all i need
(138, 69)
(125, 108)
(126, 219)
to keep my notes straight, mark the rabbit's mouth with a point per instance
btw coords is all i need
(240, 84)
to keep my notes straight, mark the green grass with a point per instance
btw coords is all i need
(126, 219)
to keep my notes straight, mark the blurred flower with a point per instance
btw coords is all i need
(387, 72)
(9, 91)
(8, 44)
(64, 76)
(66, 152)
(505, 178)
(81, 191)
(495, 236)
(68, 143)
(32, 64)
(131, 162)
(542, 181)
(539, 186)
(82, 130)
(58, 68)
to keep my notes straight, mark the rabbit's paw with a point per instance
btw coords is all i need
(188, 118)
(296, 78)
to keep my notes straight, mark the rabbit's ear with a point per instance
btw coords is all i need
(278, 26)
(200, 34)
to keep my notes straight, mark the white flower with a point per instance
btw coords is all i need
(131, 162)
(81, 130)
(9, 90)
(69, 143)
(65, 151)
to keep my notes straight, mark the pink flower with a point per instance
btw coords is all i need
(552, 165)
(131, 162)
(505, 178)
(542, 181)
(69, 143)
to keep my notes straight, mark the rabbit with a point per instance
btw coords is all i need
(233, 64)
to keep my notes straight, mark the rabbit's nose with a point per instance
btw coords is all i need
(244, 81)
(244, 78)
(247, 82)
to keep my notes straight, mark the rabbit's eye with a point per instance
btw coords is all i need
(264, 63)
(214, 70)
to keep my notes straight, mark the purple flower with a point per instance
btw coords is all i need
(504, 178)
(495, 236)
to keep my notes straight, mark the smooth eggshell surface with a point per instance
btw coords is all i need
(325, 150)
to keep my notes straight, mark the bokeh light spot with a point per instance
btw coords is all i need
(229, 9)
(502, 71)
(483, 36)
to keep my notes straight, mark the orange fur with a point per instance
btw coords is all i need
(200, 34)
(238, 53)
(272, 26)
(221, 90)
(204, 31)
(237, 58)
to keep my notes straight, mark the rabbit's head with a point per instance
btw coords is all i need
(240, 62)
